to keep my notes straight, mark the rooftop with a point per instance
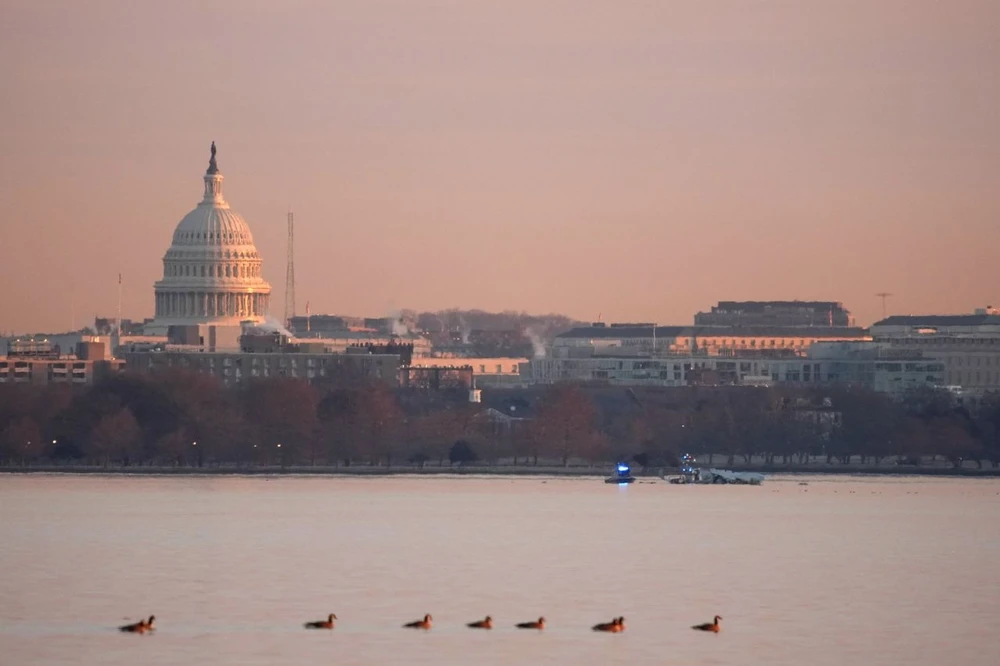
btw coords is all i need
(762, 306)
(616, 332)
(940, 320)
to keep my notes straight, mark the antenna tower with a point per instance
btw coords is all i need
(118, 322)
(883, 295)
(290, 272)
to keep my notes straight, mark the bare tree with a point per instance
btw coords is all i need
(114, 437)
(22, 440)
(566, 418)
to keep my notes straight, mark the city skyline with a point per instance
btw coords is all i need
(637, 162)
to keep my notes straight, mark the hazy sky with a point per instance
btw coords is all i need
(641, 160)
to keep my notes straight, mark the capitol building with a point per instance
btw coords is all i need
(212, 270)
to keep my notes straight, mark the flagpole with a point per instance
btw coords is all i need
(118, 337)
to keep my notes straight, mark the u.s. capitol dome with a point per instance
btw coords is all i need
(212, 270)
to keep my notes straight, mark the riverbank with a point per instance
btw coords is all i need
(494, 470)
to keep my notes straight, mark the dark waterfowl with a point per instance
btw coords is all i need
(140, 627)
(486, 623)
(712, 626)
(420, 624)
(616, 625)
(540, 624)
(322, 624)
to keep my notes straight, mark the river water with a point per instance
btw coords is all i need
(844, 570)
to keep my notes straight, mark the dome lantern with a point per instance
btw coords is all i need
(213, 181)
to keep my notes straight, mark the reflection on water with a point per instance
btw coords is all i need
(842, 570)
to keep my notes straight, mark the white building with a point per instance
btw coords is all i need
(650, 340)
(212, 270)
(487, 372)
(967, 345)
(858, 363)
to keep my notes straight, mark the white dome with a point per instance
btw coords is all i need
(212, 270)
(213, 225)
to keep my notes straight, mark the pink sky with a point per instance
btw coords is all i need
(641, 160)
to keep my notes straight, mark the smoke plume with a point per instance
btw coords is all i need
(536, 342)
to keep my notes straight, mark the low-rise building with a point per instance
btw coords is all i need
(775, 313)
(650, 340)
(487, 372)
(967, 345)
(235, 367)
(876, 367)
(40, 364)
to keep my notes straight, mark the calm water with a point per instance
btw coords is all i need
(841, 571)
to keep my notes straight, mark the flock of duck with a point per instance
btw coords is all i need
(615, 626)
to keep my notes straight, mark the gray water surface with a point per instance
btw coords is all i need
(844, 570)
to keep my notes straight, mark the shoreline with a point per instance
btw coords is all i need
(500, 471)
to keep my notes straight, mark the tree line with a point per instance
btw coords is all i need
(180, 418)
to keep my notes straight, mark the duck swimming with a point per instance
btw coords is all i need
(712, 626)
(140, 627)
(486, 623)
(322, 624)
(420, 624)
(540, 624)
(616, 625)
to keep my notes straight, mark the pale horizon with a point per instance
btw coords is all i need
(639, 161)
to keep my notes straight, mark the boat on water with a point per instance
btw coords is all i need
(623, 474)
(689, 473)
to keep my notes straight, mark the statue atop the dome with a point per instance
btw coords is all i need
(213, 168)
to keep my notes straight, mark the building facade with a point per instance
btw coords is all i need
(775, 313)
(650, 340)
(235, 367)
(44, 364)
(486, 372)
(865, 364)
(967, 345)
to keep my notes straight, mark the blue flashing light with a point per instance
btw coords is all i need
(623, 468)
